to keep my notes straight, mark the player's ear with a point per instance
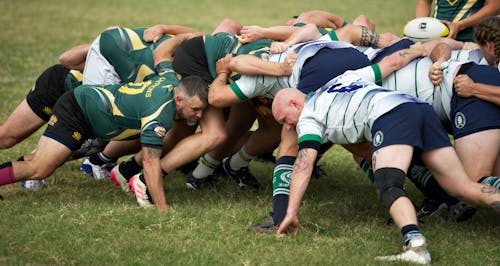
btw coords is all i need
(178, 99)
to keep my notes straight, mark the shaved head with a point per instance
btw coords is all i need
(287, 105)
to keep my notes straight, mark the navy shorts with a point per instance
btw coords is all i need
(68, 124)
(327, 64)
(48, 88)
(471, 114)
(399, 45)
(414, 124)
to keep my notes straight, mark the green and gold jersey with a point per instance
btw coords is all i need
(218, 46)
(456, 10)
(128, 111)
(73, 80)
(130, 55)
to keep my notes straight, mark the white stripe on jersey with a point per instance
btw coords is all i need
(268, 86)
(344, 110)
(469, 56)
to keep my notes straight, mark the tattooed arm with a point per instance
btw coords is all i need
(153, 176)
(301, 175)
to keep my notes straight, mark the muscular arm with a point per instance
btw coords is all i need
(301, 176)
(465, 87)
(220, 93)
(153, 176)
(423, 8)
(165, 51)
(74, 58)
(277, 33)
(154, 33)
(490, 8)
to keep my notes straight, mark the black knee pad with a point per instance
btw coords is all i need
(389, 183)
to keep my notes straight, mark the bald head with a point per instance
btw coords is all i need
(287, 105)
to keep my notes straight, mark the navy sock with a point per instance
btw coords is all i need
(409, 232)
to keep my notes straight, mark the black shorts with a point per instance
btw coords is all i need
(48, 88)
(68, 124)
(190, 60)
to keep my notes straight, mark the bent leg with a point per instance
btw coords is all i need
(450, 174)
(478, 152)
(49, 155)
(19, 125)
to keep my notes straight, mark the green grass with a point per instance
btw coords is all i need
(78, 220)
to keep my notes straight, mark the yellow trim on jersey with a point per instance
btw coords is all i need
(135, 40)
(153, 116)
(77, 74)
(115, 110)
(464, 9)
(127, 133)
(143, 72)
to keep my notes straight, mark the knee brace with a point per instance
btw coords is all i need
(389, 183)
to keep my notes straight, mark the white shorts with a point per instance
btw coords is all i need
(98, 71)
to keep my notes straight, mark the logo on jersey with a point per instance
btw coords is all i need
(160, 131)
(76, 135)
(460, 120)
(451, 2)
(53, 120)
(378, 138)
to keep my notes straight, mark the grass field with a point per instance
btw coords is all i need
(78, 220)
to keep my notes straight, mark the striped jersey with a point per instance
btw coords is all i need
(248, 87)
(343, 110)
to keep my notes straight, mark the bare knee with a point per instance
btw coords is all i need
(215, 137)
(7, 141)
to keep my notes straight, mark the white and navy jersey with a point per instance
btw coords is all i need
(413, 79)
(344, 110)
(248, 87)
(469, 56)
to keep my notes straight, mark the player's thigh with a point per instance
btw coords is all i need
(393, 156)
(478, 152)
(21, 123)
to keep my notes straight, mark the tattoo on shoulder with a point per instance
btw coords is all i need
(154, 153)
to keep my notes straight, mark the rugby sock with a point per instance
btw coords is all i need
(7, 174)
(425, 182)
(205, 167)
(129, 168)
(100, 159)
(281, 187)
(409, 232)
(367, 169)
(240, 159)
(492, 181)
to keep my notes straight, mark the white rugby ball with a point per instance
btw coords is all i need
(425, 29)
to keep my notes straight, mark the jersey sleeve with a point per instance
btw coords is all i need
(247, 87)
(152, 134)
(310, 130)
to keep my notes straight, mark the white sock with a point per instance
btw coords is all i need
(206, 166)
(240, 159)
